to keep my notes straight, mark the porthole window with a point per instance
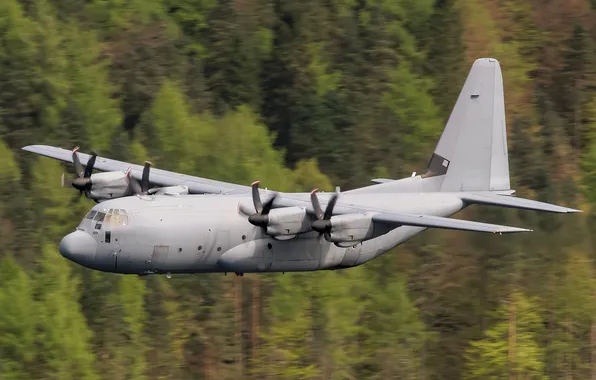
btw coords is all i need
(200, 247)
(179, 249)
(269, 245)
(243, 237)
(219, 248)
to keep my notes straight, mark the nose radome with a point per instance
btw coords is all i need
(79, 247)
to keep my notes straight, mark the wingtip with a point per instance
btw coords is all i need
(573, 210)
(512, 230)
(29, 148)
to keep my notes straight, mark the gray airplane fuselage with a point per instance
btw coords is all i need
(208, 233)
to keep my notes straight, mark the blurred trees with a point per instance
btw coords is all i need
(298, 94)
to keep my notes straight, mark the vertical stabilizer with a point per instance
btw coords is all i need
(472, 152)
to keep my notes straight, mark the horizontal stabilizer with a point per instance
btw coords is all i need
(446, 223)
(514, 202)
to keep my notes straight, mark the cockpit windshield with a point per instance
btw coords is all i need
(117, 217)
(111, 217)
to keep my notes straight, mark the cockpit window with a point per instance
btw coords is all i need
(116, 217)
(108, 218)
(99, 216)
(91, 214)
(123, 217)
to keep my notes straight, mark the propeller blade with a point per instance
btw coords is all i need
(65, 181)
(256, 197)
(315, 204)
(323, 223)
(77, 163)
(261, 217)
(76, 197)
(329, 210)
(268, 205)
(90, 164)
(145, 179)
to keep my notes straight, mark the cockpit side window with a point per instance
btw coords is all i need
(91, 214)
(99, 219)
(99, 216)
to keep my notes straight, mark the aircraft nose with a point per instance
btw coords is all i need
(79, 247)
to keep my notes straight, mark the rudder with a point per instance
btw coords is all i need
(472, 152)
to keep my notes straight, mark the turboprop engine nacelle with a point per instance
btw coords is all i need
(287, 222)
(350, 229)
(108, 185)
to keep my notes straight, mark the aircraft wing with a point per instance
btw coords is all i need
(446, 223)
(159, 177)
(395, 219)
(198, 185)
(514, 202)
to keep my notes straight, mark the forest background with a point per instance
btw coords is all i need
(298, 94)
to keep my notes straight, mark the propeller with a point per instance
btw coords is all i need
(83, 180)
(261, 217)
(323, 223)
(143, 186)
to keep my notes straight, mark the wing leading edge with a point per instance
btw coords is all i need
(159, 177)
(445, 223)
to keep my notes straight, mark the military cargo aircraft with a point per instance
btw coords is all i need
(152, 221)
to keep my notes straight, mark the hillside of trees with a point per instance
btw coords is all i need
(298, 94)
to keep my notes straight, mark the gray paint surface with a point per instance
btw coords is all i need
(208, 230)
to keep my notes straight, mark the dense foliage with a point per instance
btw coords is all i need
(298, 94)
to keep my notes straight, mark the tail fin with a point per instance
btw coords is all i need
(472, 152)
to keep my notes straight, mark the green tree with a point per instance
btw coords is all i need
(63, 336)
(17, 321)
(511, 346)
